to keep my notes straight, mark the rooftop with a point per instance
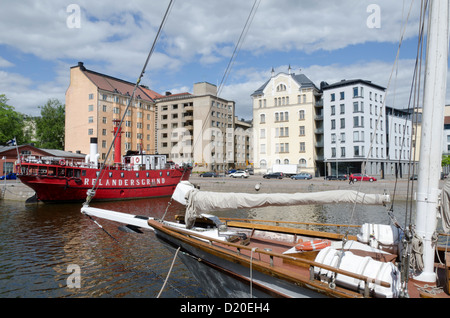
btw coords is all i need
(344, 82)
(115, 85)
(301, 79)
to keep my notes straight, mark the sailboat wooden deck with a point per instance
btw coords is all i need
(260, 260)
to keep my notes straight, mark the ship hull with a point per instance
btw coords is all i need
(113, 185)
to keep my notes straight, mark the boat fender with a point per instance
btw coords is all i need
(62, 162)
(312, 245)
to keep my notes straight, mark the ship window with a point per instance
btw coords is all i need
(121, 174)
(168, 172)
(83, 173)
(110, 174)
(137, 174)
(76, 173)
(51, 171)
(160, 173)
(61, 172)
(69, 173)
(148, 174)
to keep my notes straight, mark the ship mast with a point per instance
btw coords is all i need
(427, 200)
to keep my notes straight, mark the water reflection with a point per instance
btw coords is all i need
(38, 242)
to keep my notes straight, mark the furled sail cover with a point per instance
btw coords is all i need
(445, 207)
(198, 202)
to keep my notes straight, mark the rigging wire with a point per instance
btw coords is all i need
(383, 107)
(236, 51)
(91, 192)
(238, 46)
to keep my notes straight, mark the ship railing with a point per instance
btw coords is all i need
(61, 161)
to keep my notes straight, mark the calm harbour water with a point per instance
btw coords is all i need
(40, 242)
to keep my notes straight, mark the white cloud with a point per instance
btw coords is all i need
(5, 63)
(115, 36)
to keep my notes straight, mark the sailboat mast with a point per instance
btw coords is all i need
(431, 141)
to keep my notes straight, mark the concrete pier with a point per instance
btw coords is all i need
(17, 191)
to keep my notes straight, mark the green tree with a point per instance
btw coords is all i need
(50, 125)
(445, 160)
(11, 122)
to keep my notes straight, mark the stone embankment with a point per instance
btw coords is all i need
(249, 185)
(15, 190)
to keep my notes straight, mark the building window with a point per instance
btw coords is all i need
(262, 118)
(281, 88)
(91, 108)
(302, 130)
(90, 131)
(302, 163)
(302, 147)
(301, 115)
(342, 95)
(262, 148)
(91, 96)
(333, 97)
(263, 164)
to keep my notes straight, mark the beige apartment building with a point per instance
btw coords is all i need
(288, 124)
(200, 129)
(95, 100)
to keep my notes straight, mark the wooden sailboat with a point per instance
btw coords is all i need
(244, 258)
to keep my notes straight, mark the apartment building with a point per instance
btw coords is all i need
(361, 134)
(198, 128)
(243, 144)
(95, 100)
(288, 124)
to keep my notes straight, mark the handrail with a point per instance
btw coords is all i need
(290, 222)
(282, 256)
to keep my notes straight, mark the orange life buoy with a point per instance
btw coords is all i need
(312, 245)
(62, 162)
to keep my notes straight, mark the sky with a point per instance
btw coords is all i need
(326, 40)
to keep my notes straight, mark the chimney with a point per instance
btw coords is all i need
(93, 156)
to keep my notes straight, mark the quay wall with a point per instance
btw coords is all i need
(17, 191)
(228, 184)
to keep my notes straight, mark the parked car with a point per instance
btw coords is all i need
(339, 177)
(9, 176)
(208, 174)
(302, 175)
(239, 174)
(275, 175)
(363, 177)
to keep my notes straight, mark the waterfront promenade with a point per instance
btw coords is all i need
(15, 190)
